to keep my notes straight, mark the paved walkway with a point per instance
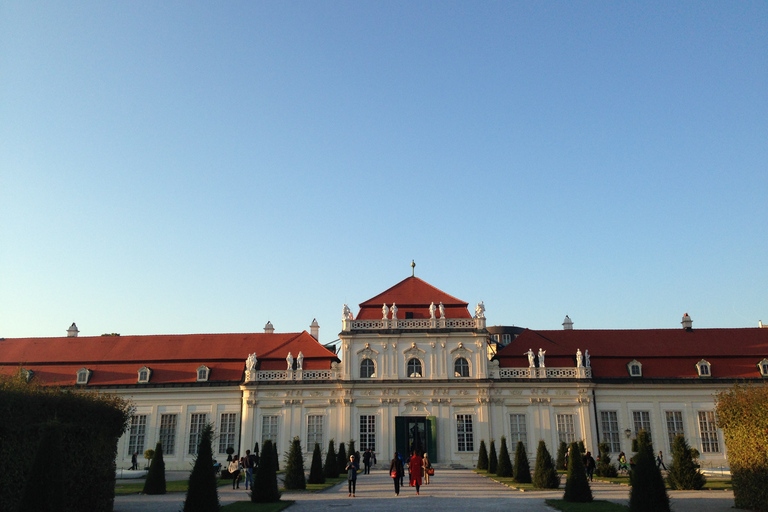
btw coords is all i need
(449, 490)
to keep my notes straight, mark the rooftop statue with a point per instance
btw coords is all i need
(346, 314)
(578, 358)
(250, 363)
(300, 360)
(289, 360)
(442, 310)
(586, 358)
(394, 311)
(432, 310)
(480, 310)
(384, 312)
(531, 362)
(541, 357)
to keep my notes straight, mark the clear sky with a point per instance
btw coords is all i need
(191, 167)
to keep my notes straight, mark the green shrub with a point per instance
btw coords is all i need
(504, 466)
(316, 475)
(155, 482)
(294, 467)
(683, 472)
(341, 459)
(202, 492)
(522, 468)
(648, 493)
(561, 450)
(493, 462)
(275, 458)
(576, 485)
(148, 454)
(329, 470)
(544, 474)
(482, 457)
(604, 466)
(265, 480)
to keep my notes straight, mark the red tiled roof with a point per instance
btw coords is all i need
(412, 295)
(664, 353)
(115, 360)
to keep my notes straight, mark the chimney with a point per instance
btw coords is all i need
(314, 329)
(687, 322)
(567, 323)
(269, 328)
(72, 331)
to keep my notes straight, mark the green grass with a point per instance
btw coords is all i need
(714, 484)
(247, 506)
(595, 506)
(170, 486)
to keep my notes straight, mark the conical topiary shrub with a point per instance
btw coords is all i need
(341, 459)
(265, 480)
(493, 462)
(504, 466)
(275, 457)
(561, 450)
(522, 468)
(545, 475)
(684, 473)
(256, 457)
(482, 456)
(155, 482)
(316, 475)
(294, 467)
(648, 493)
(576, 485)
(604, 466)
(202, 492)
(329, 470)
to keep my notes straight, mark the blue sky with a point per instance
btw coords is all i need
(171, 167)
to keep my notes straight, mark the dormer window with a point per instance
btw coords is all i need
(83, 376)
(635, 368)
(704, 369)
(202, 373)
(144, 374)
(27, 374)
(414, 368)
(763, 367)
(461, 367)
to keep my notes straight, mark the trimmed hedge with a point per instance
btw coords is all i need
(482, 457)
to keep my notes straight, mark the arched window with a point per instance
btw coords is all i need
(461, 367)
(414, 368)
(367, 369)
(202, 373)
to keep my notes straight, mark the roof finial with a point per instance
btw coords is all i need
(413, 268)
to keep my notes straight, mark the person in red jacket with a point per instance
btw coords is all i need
(414, 466)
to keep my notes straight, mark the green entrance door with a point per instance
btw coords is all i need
(416, 433)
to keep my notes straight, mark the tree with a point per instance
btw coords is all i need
(275, 457)
(294, 467)
(504, 466)
(684, 473)
(256, 456)
(148, 454)
(155, 482)
(329, 470)
(545, 475)
(582, 448)
(741, 415)
(493, 462)
(341, 459)
(576, 485)
(316, 475)
(46, 497)
(202, 493)
(482, 457)
(648, 493)
(561, 449)
(604, 466)
(522, 468)
(266, 491)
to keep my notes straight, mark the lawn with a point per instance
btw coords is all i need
(595, 506)
(170, 486)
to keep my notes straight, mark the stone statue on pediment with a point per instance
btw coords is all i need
(432, 310)
(300, 361)
(250, 363)
(442, 310)
(480, 310)
(289, 360)
(394, 311)
(586, 358)
(578, 358)
(531, 361)
(346, 313)
(384, 311)
(541, 357)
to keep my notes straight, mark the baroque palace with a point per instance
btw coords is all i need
(415, 368)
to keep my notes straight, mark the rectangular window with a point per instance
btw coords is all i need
(506, 339)
(227, 431)
(137, 434)
(518, 431)
(314, 432)
(642, 421)
(674, 426)
(609, 425)
(269, 429)
(708, 429)
(464, 433)
(168, 433)
(196, 423)
(566, 428)
(368, 433)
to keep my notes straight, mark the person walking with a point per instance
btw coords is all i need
(396, 472)
(402, 464)
(135, 460)
(367, 461)
(415, 465)
(427, 467)
(589, 465)
(623, 462)
(351, 470)
(248, 464)
(234, 470)
(660, 461)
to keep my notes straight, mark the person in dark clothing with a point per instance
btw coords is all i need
(134, 460)
(367, 462)
(396, 471)
(402, 463)
(660, 461)
(589, 465)
(351, 470)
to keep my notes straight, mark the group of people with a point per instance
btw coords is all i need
(239, 465)
(419, 470)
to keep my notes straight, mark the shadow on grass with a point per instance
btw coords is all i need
(595, 506)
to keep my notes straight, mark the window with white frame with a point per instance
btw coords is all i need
(609, 425)
(674, 426)
(202, 373)
(137, 433)
(505, 339)
(227, 431)
(168, 433)
(197, 422)
(367, 368)
(83, 375)
(144, 374)
(708, 430)
(763, 367)
(518, 431)
(635, 368)
(704, 369)
(414, 367)
(566, 428)
(368, 433)
(461, 367)
(464, 433)
(642, 421)
(269, 426)
(314, 431)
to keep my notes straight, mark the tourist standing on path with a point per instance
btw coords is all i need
(415, 466)
(660, 461)
(396, 472)
(367, 461)
(248, 464)
(589, 465)
(351, 470)
(426, 467)
(234, 470)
